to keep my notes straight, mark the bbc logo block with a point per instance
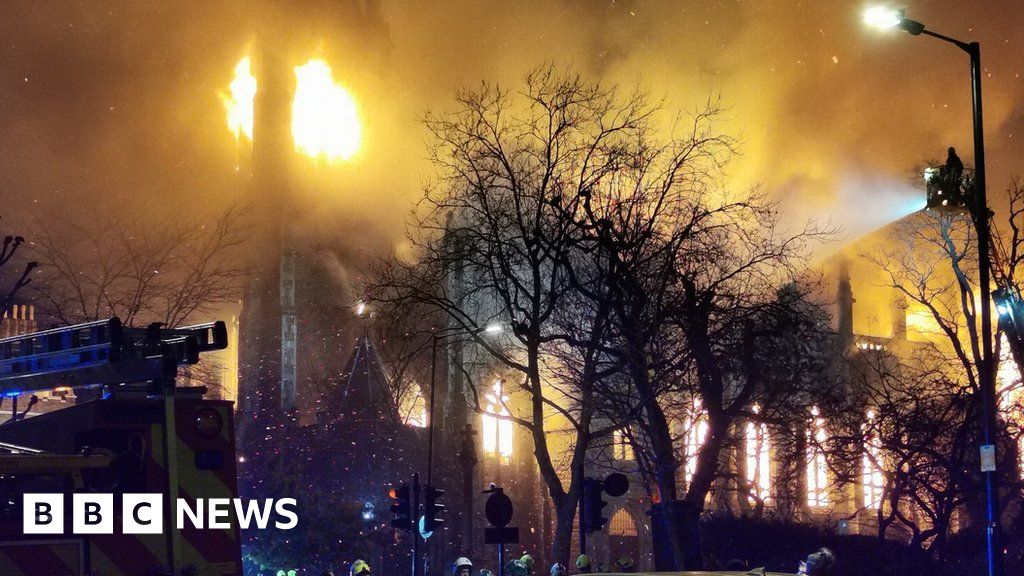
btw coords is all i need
(92, 514)
(43, 514)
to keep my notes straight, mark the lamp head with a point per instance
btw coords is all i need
(883, 18)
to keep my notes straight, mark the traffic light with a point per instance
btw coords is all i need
(431, 509)
(401, 507)
(593, 518)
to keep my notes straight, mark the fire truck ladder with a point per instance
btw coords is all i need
(105, 353)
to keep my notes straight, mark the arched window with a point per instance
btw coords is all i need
(497, 432)
(413, 408)
(696, 433)
(874, 481)
(758, 449)
(621, 524)
(1011, 394)
(621, 448)
(817, 466)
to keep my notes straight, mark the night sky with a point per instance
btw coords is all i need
(118, 103)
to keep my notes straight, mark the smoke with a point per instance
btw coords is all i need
(120, 104)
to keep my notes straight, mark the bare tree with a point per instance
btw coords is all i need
(563, 212)
(918, 406)
(1008, 265)
(913, 424)
(12, 246)
(139, 271)
(508, 220)
(727, 284)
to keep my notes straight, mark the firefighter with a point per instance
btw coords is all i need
(527, 561)
(359, 568)
(558, 569)
(818, 564)
(462, 567)
(583, 564)
(515, 568)
(625, 564)
(954, 166)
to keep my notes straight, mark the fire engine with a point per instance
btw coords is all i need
(139, 434)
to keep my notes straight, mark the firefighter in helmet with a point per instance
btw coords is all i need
(462, 567)
(558, 569)
(583, 565)
(515, 568)
(527, 561)
(954, 166)
(359, 568)
(819, 563)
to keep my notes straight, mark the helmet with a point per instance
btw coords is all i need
(486, 572)
(359, 567)
(515, 568)
(625, 563)
(557, 569)
(460, 562)
(583, 561)
(527, 561)
(819, 563)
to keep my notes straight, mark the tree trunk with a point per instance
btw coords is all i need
(565, 515)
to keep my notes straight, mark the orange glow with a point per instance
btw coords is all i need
(817, 467)
(696, 434)
(238, 102)
(497, 428)
(758, 452)
(325, 119)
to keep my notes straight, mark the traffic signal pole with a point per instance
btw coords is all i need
(415, 524)
(583, 508)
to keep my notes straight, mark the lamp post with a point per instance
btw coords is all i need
(435, 339)
(885, 18)
(489, 329)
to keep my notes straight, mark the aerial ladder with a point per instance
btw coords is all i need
(139, 433)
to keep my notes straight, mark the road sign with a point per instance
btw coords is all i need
(616, 484)
(498, 509)
(506, 535)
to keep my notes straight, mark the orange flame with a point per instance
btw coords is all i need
(325, 119)
(238, 102)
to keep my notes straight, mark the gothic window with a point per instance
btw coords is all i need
(497, 431)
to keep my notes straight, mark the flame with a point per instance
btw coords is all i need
(239, 103)
(325, 122)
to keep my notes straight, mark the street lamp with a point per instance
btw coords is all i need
(882, 18)
(886, 18)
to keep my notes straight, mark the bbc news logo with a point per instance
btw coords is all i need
(144, 514)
